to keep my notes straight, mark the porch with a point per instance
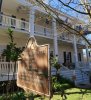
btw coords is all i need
(8, 70)
(22, 26)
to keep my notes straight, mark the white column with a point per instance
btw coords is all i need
(87, 53)
(31, 21)
(54, 29)
(75, 52)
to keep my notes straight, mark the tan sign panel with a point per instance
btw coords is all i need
(33, 69)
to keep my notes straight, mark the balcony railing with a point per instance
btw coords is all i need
(65, 37)
(8, 21)
(40, 30)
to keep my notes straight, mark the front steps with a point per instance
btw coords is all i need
(81, 76)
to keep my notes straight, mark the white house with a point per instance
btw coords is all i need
(28, 19)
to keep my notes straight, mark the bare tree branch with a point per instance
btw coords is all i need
(52, 11)
(86, 6)
(73, 8)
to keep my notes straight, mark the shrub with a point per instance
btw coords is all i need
(12, 51)
(60, 83)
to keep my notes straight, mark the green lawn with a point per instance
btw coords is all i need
(72, 94)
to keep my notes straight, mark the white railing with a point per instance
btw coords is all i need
(43, 31)
(13, 22)
(7, 68)
(8, 21)
(65, 37)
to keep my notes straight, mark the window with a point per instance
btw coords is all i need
(67, 57)
(13, 21)
(22, 24)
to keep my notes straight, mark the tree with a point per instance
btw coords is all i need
(85, 11)
(11, 53)
(74, 5)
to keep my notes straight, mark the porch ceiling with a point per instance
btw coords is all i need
(10, 5)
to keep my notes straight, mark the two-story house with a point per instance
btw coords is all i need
(27, 19)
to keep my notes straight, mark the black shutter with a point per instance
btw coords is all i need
(1, 5)
(89, 54)
(70, 58)
(79, 57)
(64, 54)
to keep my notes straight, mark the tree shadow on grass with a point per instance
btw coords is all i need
(64, 94)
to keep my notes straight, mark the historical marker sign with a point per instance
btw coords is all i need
(33, 68)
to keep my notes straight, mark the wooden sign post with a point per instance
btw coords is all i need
(34, 70)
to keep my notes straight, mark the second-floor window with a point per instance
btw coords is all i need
(22, 23)
(13, 21)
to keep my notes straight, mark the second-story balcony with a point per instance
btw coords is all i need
(17, 24)
(44, 31)
(7, 21)
(65, 37)
(22, 25)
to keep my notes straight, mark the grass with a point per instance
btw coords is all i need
(72, 94)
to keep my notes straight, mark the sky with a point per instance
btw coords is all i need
(67, 10)
(59, 6)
